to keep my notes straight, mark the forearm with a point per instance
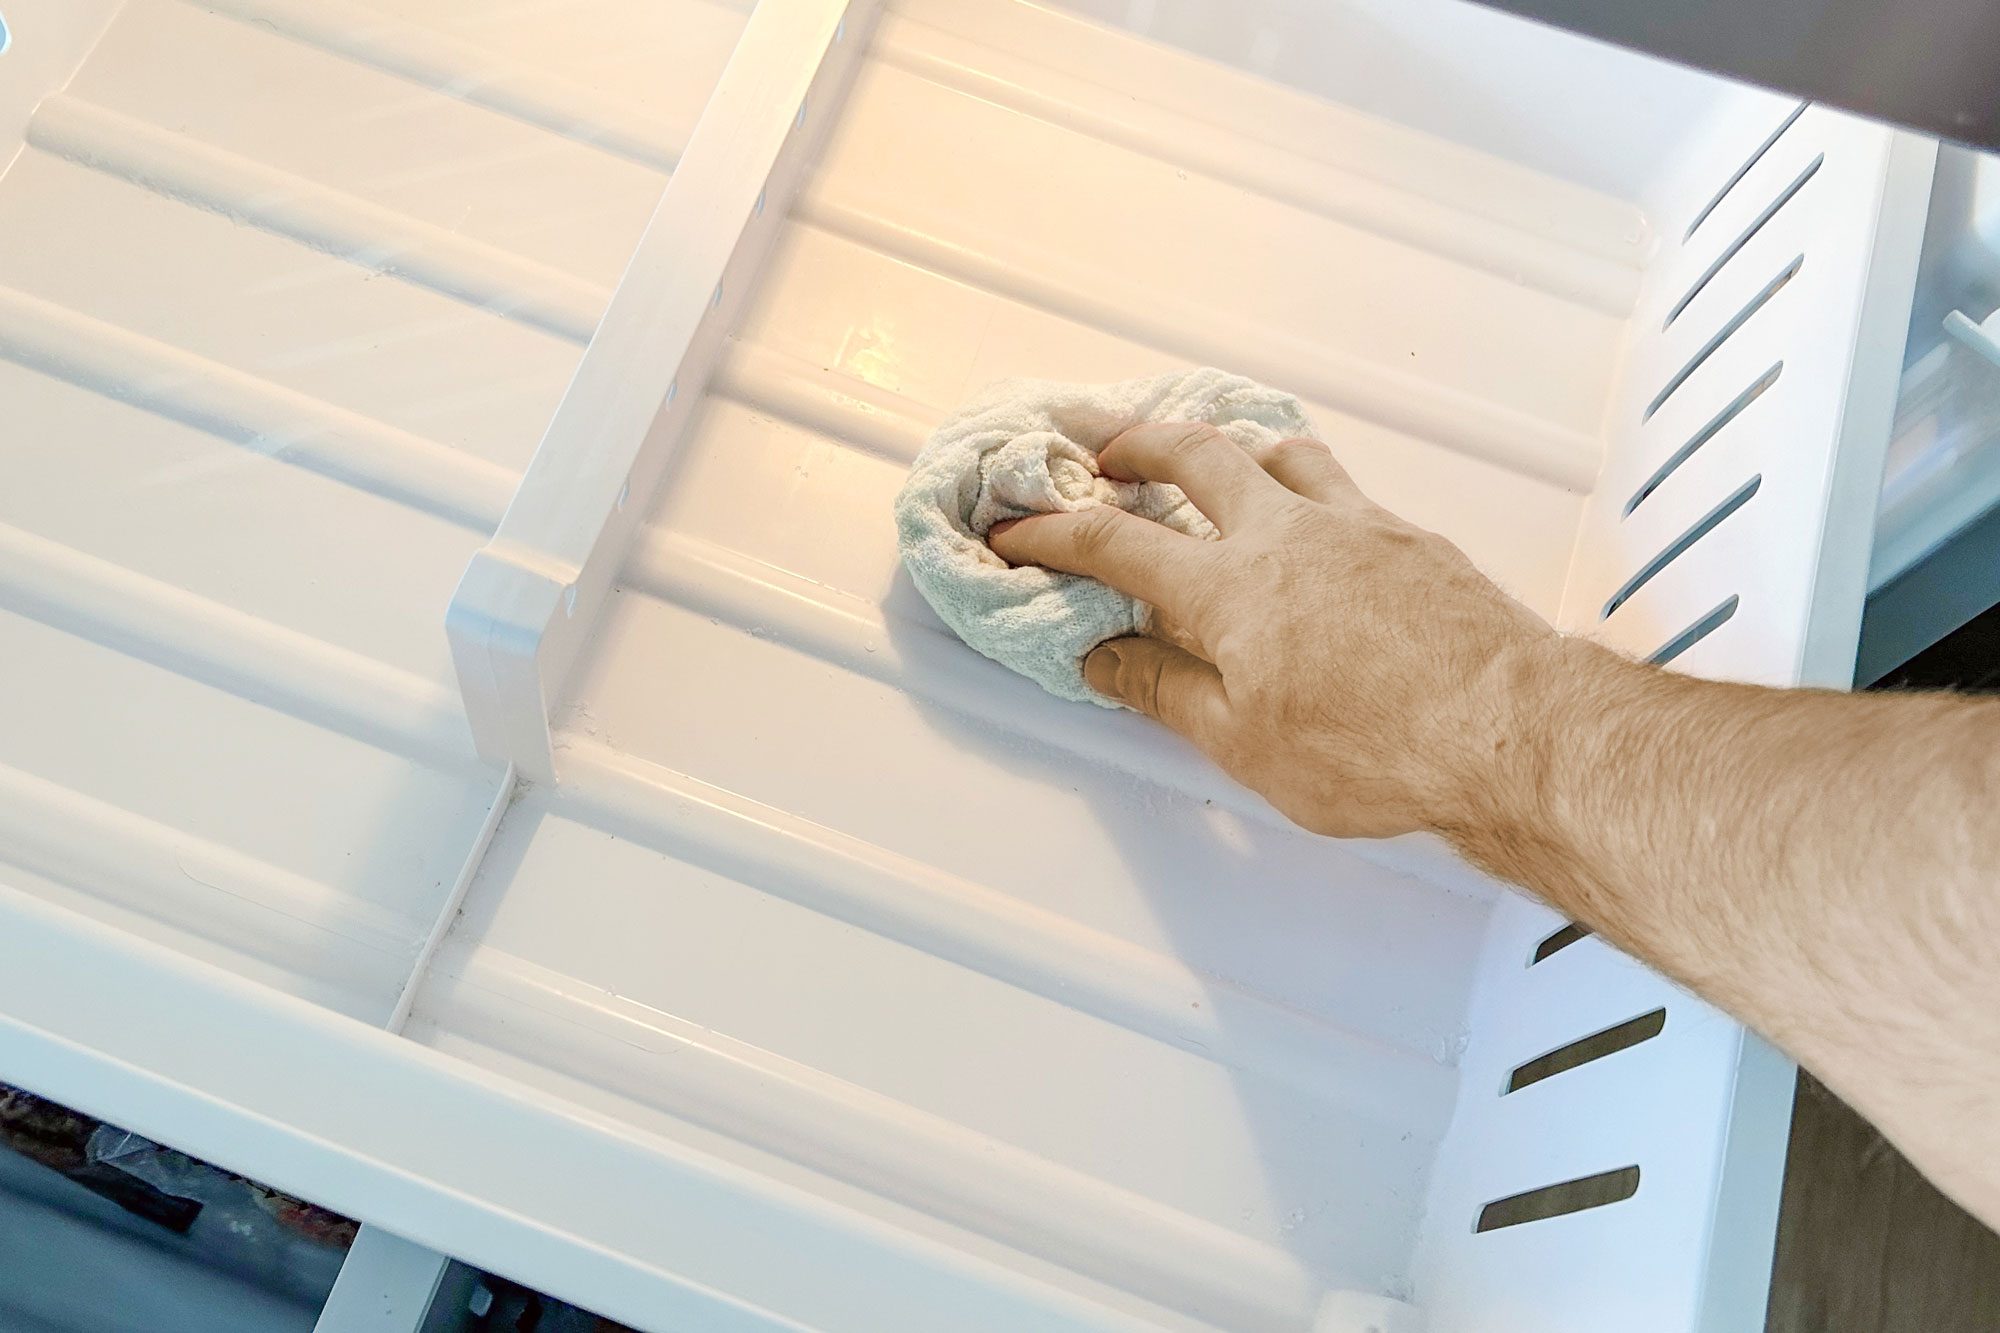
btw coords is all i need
(1821, 865)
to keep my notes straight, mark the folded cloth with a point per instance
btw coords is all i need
(1030, 447)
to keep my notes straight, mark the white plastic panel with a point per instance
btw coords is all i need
(188, 1051)
(388, 1285)
(803, 362)
(530, 596)
(824, 974)
(283, 306)
(1354, 327)
(1521, 93)
(1793, 270)
(1228, 1103)
(1724, 416)
(1676, 1106)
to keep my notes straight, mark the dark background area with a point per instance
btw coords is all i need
(1927, 64)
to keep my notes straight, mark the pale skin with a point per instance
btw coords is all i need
(1825, 866)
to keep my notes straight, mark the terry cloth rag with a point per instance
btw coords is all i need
(1030, 447)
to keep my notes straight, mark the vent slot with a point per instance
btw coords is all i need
(1571, 1196)
(1678, 547)
(1722, 335)
(1559, 941)
(1694, 633)
(1736, 247)
(1704, 435)
(1745, 170)
(1583, 1050)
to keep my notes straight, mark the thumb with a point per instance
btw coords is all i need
(1163, 682)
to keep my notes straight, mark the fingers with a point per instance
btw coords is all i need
(1306, 467)
(1162, 682)
(1140, 558)
(1218, 476)
(1167, 629)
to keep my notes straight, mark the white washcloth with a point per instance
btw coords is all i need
(1030, 447)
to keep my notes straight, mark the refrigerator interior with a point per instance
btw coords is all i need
(1000, 1005)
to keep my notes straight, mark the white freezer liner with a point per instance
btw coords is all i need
(742, 1018)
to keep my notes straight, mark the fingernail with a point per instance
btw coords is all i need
(1001, 528)
(1100, 669)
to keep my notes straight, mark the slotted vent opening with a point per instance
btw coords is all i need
(1619, 1037)
(1679, 546)
(1723, 334)
(1559, 1200)
(1735, 247)
(1744, 170)
(1704, 435)
(1557, 941)
(1694, 633)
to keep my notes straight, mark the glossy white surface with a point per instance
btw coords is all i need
(278, 330)
(753, 974)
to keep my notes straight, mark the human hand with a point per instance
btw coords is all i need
(1353, 668)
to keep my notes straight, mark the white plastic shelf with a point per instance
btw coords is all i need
(452, 564)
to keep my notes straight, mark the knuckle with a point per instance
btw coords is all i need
(1389, 533)
(1299, 447)
(1441, 550)
(1140, 682)
(1189, 441)
(1094, 532)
